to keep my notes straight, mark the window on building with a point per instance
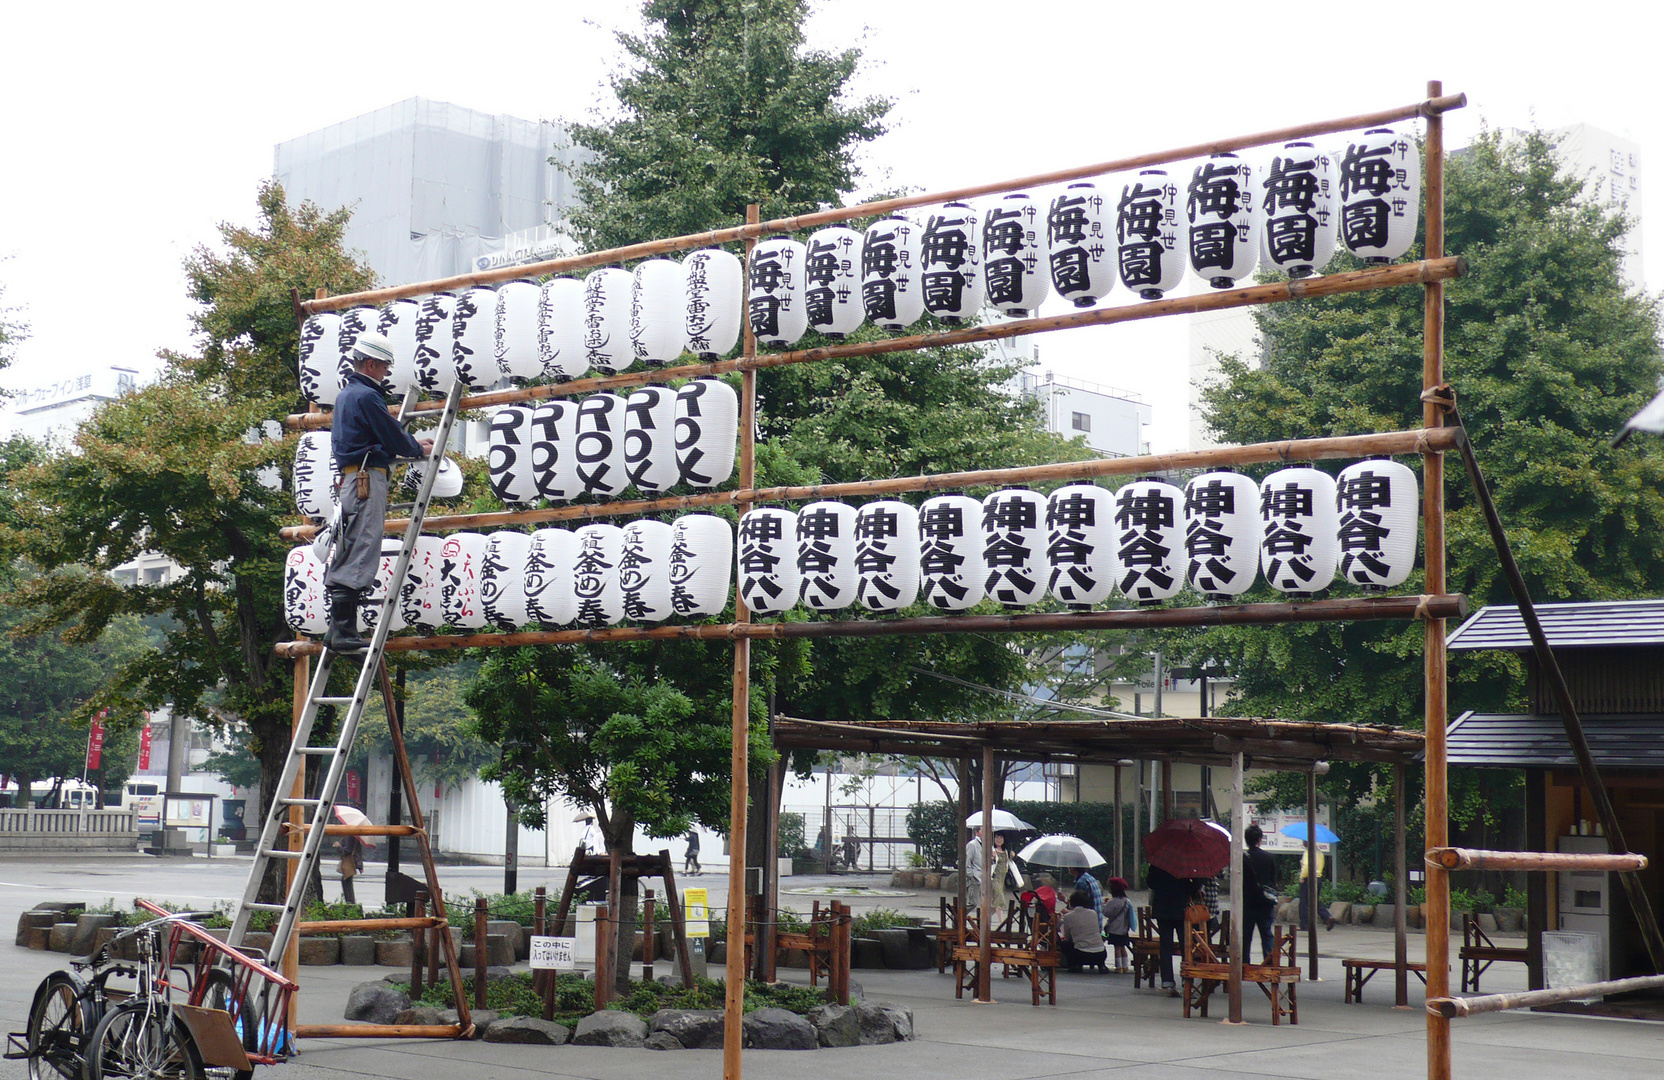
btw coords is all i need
(1080, 421)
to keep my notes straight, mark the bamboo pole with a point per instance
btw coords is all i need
(367, 926)
(1433, 107)
(985, 934)
(1310, 885)
(1448, 1007)
(1451, 858)
(1338, 446)
(1308, 611)
(1238, 937)
(1400, 892)
(1351, 281)
(1435, 675)
(380, 1031)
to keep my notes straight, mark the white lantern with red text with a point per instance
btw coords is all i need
(950, 259)
(1149, 540)
(774, 291)
(1014, 255)
(1149, 234)
(701, 562)
(1220, 208)
(656, 298)
(509, 455)
(892, 294)
(503, 580)
(419, 593)
(1080, 545)
(1377, 501)
(435, 364)
(517, 329)
(317, 475)
(1222, 534)
(713, 302)
(397, 323)
(460, 556)
(548, 577)
(766, 559)
(1299, 552)
(951, 569)
(599, 448)
(644, 571)
(369, 607)
(826, 555)
(1014, 547)
(1082, 258)
(707, 427)
(561, 329)
(305, 610)
(473, 337)
(886, 555)
(1297, 204)
(595, 575)
(832, 294)
(607, 319)
(1380, 195)
(321, 374)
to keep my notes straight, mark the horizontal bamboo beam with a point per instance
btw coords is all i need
(368, 830)
(1427, 107)
(1341, 446)
(347, 926)
(1447, 606)
(1308, 754)
(1451, 1007)
(1454, 858)
(1351, 281)
(384, 1031)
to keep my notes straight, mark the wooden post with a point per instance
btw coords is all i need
(1400, 894)
(1120, 863)
(418, 952)
(1238, 938)
(438, 941)
(771, 871)
(1311, 883)
(840, 952)
(540, 928)
(734, 990)
(1435, 678)
(1137, 796)
(603, 949)
(615, 906)
(985, 935)
(964, 831)
(647, 935)
(678, 925)
(482, 919)
(1167, 791)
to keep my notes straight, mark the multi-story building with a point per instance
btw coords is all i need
(51, 412)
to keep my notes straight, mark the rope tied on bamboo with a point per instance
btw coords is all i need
(1423, 608)
(1442, 395)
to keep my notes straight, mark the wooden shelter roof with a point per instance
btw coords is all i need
(1209, 740)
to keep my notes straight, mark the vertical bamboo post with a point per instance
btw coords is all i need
(1400, 891)
(1166, 792)
(1437, 820)
(647, 927)
(482, 919)
(734, 994)
(615, 906)
(1310, 885)
(1237, 935)
(964, 840)
(985, 936)
(772, 868)
(418, 952)
(1120, 863)
(291, 954)
(540, 928)
(603, 949)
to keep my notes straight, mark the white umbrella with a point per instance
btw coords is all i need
(1061, 849)
(1003, 820)
(351, 815)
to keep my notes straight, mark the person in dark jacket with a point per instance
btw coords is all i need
(365, 440)
(1169, 896)
(1259, 888)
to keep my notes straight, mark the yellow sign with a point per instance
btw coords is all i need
(696, 903)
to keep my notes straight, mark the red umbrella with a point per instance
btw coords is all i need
(1188, 847)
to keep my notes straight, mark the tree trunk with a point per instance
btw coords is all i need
(273, 752)
(620, 836)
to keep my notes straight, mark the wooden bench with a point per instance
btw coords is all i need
(825, 941)
(1146, 950)
(1037, 958)
(1479, 952)
(1360, 971)
(1203, 972)
(957, 930)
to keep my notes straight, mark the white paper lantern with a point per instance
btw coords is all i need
(447, 485)
(473, 334)
(950, 258)
(1149, 540)
(460, 558)
(712, 302)
(548, 578)
(435, 364)
(509, 455)
(316, 475)
(1380, 195)
(1149, 234)
(1014, 547)
(304, 606)
(1078, 238)
(607, 319)
(1299, 552)
(1222, 534)
(650, 439)
(356, 321)
(1220, 205)
(561, 329)
(1377, 501)
(833, 293)
(1080, 545)
(503, 580)
(707, 426)
(701, 560)
(600, 445)
(644, 571)
(886, 555)
(774, 291)
(826, 555)
(369, 608)
(419, 595)
(1015, 258)
(892, 294)
(321, 377)
(766, 558)
(517, 329)
(555, 451)
(1298, 206)
(951, 568)
(595, 575)
(657, 298)
(397, 323)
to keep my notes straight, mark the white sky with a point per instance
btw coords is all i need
(131, 130)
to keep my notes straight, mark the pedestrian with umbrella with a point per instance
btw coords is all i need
(1183, 852)
(351, 849)
(1308, 881)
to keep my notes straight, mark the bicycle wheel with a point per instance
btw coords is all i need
(140, 1040)
(59, 1021)
(221, 993)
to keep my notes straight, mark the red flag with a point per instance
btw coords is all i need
(144, 747)
(95, 740)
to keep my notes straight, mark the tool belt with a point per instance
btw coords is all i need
(363, 477)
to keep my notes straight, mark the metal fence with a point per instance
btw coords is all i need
(68, 822)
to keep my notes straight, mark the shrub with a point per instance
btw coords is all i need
(934, 827)
(879, 919)
(575, 996)
(1513, 898)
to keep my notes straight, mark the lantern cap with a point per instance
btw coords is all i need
(372, 346)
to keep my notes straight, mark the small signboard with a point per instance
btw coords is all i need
(696, 902)
(558, 953)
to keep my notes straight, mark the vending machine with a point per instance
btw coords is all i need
(1585, 914)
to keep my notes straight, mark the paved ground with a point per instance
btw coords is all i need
(1100, 1026)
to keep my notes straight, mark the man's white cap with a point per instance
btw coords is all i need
(372, 346)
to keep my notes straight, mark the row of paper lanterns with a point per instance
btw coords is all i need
(1231, 217)
(601, 445)
(1298, 528)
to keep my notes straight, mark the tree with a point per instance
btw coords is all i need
(1548, 353)
(169, 469)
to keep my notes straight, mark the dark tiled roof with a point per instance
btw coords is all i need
(1618, 741)
(1614, 623)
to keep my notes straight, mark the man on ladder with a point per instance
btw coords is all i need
(364, 439)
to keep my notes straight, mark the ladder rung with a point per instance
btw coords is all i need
(258, 906)
(333, 700)
(400, 506)
(318, 751)
(284, 853)
(301, 802)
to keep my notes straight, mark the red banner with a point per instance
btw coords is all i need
(95, 741)
(144, 747)
(355, 791)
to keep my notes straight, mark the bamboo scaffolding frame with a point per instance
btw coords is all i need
(1339, 446)
(1430, 109)
(1351, 281)
(1451, 858)
(1448, 1007)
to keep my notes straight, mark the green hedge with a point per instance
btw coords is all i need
(934, 827)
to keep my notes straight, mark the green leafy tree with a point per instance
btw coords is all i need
(1549, 353)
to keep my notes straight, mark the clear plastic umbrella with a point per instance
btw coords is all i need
(1003, 820)
(1061, 849)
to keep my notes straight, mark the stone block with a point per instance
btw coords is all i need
(375, 1003)
(905, 948)
(866, 952)
(662, 1040)
(1339, 911)
(423, 1015)
(1363, 914)
(358, 950)
(1385, 914)
(874, 1023)
(40, 938)
(902, 1018)
(691, 1028)
(836, 1025)
(940, 881)
(480, 1018)
(62, 936)
(499, 950)
(778, 1029)
(611, 1028)
(30, 920)
(510, 930)
(1487, 922)
(319, 951)
(105, 936)
(531, 1031)
(397, 953)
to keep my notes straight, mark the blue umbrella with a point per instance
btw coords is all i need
(1297, 830)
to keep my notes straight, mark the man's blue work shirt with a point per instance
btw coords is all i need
(362, 425)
